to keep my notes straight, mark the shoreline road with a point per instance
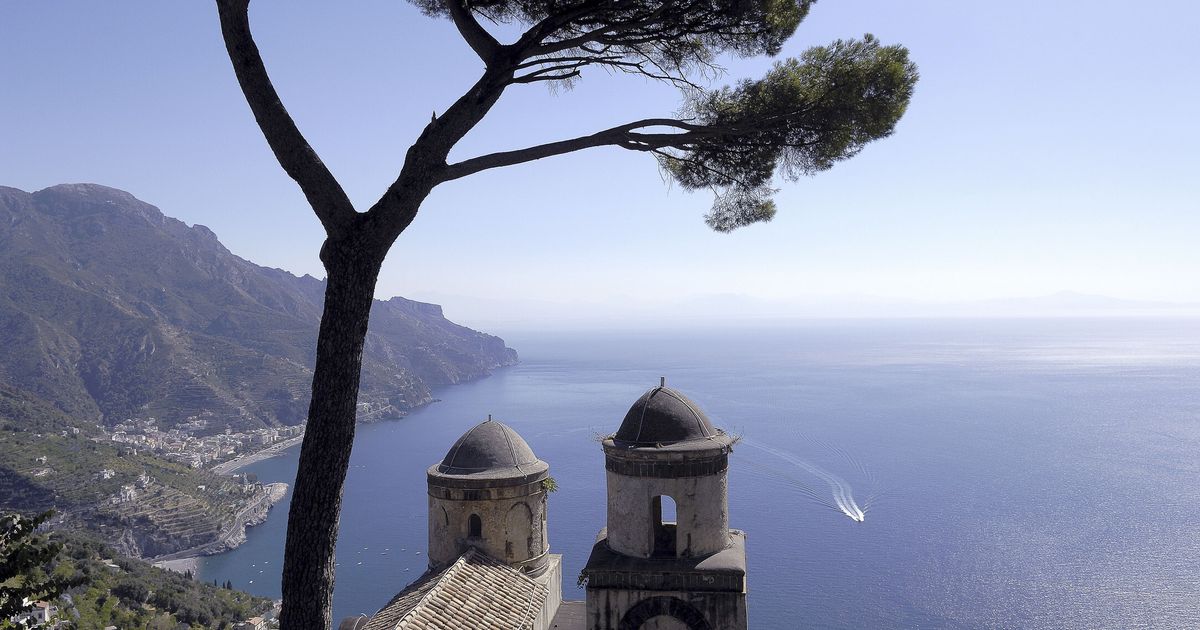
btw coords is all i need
(274, 450)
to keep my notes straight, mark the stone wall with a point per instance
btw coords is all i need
(512, 518)
(702, 513)
(619, 609)
(552, 580)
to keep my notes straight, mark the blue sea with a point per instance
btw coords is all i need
(1011, 473)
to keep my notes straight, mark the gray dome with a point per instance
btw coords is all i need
(663, 416)
(489, 446)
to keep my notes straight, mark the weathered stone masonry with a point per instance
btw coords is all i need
(490, 564)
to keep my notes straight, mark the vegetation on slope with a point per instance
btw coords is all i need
(130, 594)
(145, 505)
(110, 310)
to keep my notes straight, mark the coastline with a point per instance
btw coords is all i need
(232, 536)
(231, 466)
(180, 565)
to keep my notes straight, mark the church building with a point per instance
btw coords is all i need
(490, 565)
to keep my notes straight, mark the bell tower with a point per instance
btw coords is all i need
(489, 494)
(647, 571)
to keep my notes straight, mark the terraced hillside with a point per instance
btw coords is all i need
(143, 505)
(111, 312)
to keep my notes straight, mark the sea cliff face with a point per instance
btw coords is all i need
(111, 310)
(253, 512)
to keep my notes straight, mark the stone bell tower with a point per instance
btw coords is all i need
(488, 494)
(650, 573)
(490, 564)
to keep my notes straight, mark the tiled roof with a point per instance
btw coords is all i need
(475, 592)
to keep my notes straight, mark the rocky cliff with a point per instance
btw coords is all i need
(111, 310)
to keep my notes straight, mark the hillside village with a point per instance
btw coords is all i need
(145, 363)
(193, 443)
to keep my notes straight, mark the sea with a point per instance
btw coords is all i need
(962, 473)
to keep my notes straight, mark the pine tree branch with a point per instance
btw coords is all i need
(537, 34)
(425, 161)
(295, 155)
(472, 32)
(608, 34)
(545, 76)
(623, 136)
(571, 66)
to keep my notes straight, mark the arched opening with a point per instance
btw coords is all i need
(518, 533)
(664, 622)
(660, 612)
(474, 527)
(663, 520)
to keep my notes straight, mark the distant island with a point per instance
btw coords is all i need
(141, 362)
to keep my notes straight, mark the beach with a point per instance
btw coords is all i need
(229, 467)
(180, 565)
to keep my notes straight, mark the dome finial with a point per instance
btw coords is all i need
(662, 381)
(490, 445)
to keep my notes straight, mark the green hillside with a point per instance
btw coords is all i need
(110, 310)
(132, 595)
(47, 462)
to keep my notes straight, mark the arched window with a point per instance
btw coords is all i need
(673, 608)
(474, 527)
(662, 517)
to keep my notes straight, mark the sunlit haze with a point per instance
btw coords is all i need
(1050, 147)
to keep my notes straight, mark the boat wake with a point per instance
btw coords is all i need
(842, 499)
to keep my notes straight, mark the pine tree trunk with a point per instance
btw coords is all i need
(325, 454)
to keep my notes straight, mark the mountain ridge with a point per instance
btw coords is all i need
(111, 309)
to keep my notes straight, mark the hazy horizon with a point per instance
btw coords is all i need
(725, 310)
(1019, 170)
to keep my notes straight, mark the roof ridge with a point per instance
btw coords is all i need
(538, 587)
(695, 413)
(437, 586)
(462, 591)
(637, 437)
(459, 444)
(512, 450)
(484, 558)
(534, 592)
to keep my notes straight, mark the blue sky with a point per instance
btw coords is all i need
(1050, 146)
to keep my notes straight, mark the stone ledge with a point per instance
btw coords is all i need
(667, 469)
(485, 493)
(724, 571)
(490, 479)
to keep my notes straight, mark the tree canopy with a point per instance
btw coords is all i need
(23, 556)
(801, 118)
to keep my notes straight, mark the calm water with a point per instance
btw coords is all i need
(1025, 473)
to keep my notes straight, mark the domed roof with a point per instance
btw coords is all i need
(664, 416)
(489, 446)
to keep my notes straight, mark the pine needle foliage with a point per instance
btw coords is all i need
(802, 117)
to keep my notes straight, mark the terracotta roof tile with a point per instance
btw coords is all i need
(475, 592)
